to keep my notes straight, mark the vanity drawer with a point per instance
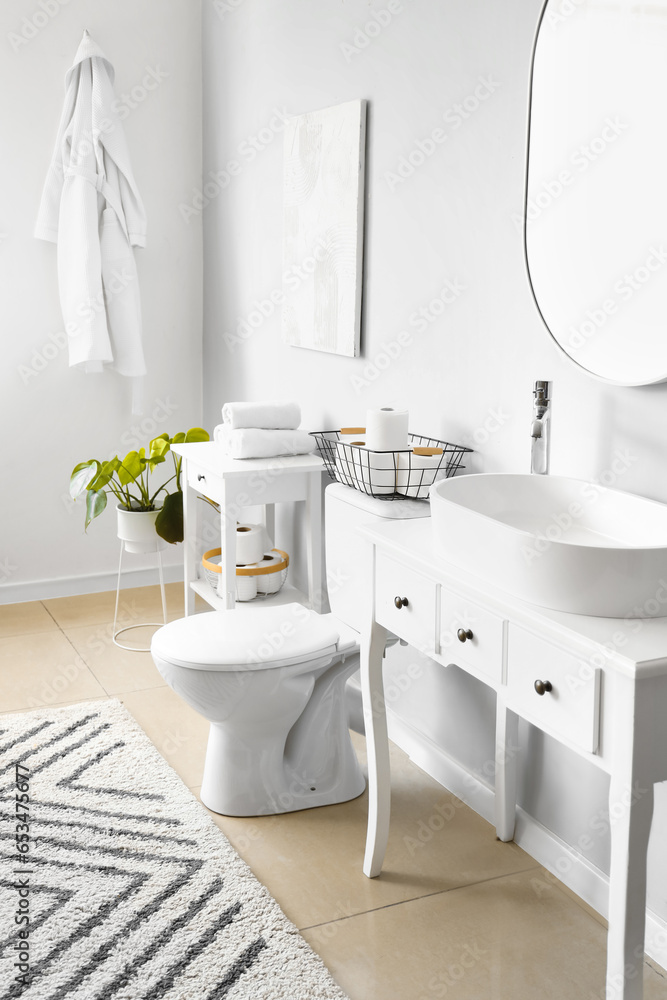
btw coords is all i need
(571, 707)
(414, 620)
(470, 636)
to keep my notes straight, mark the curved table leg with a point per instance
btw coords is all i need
(631, 812)
(375, 720)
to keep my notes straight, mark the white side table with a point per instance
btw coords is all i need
(235, 484)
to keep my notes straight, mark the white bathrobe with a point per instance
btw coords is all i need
(91, 208)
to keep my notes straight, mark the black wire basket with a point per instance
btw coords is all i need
(390, 475)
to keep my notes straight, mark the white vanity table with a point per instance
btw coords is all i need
(601, 690)
(235, 484)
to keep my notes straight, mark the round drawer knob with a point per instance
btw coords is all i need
(401, 602)
(200, 476)
(543, 686)
(464, 634)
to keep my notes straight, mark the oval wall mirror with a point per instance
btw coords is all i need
(595, 222)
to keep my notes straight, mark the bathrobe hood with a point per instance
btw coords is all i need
(92, 209)
(89, 49)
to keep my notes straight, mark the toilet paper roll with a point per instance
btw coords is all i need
(269, 583)
(347, 461)
(365, 470)
(246, 588)
(417, 473)
(250, 543)
(387, 429)
(349, 434)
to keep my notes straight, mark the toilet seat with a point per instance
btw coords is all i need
(251, 639)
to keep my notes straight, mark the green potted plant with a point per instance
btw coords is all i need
(144, 509)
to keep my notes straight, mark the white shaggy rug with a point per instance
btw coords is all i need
(131, 891)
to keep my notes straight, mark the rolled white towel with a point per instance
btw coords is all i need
(268, 415)
(255, 442)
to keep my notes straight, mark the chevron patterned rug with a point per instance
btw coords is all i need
(116, 885)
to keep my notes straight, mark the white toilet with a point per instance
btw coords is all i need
(271, 680)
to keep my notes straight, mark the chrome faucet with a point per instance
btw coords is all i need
(540, 429)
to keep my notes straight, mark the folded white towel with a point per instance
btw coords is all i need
(256, 442)
(269, 415)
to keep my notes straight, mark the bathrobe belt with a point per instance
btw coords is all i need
(102, 185)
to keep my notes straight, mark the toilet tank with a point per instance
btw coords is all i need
(345, 510)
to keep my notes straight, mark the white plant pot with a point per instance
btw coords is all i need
(136, 528)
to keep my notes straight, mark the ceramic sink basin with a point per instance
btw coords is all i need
(560, 543)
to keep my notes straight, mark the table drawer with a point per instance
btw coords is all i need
(470, 636)
(204, 481)
(571, 707)
(413, 620)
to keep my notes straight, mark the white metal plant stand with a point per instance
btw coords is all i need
(127, 628)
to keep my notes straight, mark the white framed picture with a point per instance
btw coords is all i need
(323, 228)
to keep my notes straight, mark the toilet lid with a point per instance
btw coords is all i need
(246, 639)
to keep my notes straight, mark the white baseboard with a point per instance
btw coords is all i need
(427, 755)
(95, 583)
(570, 867)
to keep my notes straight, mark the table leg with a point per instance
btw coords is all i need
(314, 539)
(377, 744)
(189, 542)
(270, 521)
(227, 581)
(631, 812)
(507, 735)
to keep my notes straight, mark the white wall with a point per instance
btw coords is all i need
(53, 417)
(468, 375)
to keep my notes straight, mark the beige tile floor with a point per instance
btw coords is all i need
(459, 915)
